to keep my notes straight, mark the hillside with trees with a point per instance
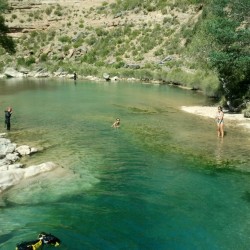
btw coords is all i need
(200, 44)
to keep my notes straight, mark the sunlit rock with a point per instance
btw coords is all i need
(37, 169)
(25, 150)
(12, 73)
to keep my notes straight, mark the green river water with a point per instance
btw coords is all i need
(163, 180)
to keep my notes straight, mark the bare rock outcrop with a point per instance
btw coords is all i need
(11, 171)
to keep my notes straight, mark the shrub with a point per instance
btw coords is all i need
(48, 10)
(43, 58)
(21, 61)
(30, 61)
(65, 39)
(58, 12)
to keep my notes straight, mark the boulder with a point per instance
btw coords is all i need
(14, 166)
(12, 157)
(247, 113)
(42, 75)
(4, 162)
(13, 174)
(132, 66)
(24, 70)
(114, 79)
(9, 178)
(26, 150)
(106, 76)
(6, 146)
(70, 53)
(37, 169)
(12, 73)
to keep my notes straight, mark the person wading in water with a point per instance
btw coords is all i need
(220, 122)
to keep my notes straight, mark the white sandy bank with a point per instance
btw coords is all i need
(208, 111)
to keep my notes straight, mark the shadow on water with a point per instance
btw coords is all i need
(5, 237)
(246, 196)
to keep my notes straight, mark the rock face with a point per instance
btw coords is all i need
(12, 172)
(12, 73)
(247, 114)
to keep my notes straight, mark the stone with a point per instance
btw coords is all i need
(247, 113)
(10, 178)
(12, 157)
(106, 76)
(6, 146)
(4, 162)
(114, 79)
(37, 169)
(12, 73)
(23, 150)
(132, 66)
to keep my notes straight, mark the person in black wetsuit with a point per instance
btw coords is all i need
(75, 76)
(8, 113)
(43, 239)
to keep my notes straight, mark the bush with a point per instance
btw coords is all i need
(30, 61)
(64, 39)
(21, 61)
(48, 10)
(43, 58)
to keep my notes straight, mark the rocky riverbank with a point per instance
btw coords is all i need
(12, 171)
(22, 73)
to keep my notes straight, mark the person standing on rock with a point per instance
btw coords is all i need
(8, 113)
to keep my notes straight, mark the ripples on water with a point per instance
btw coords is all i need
(161, 181)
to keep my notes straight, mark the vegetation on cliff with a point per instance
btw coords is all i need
(6, 42)
(226, 28)
(201, 44)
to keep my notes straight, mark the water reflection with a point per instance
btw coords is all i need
(219, 150)
(12, 86)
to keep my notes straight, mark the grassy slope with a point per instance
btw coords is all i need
(98, 36)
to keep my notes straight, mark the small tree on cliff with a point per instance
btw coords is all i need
(5, 41)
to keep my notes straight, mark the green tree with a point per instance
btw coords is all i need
(228, 25)
(5, 41)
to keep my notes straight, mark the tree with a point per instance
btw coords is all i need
(228, 24)
(5, 41)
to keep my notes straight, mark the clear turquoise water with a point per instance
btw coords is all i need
(161, 181)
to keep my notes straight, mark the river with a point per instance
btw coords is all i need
(163, 180)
